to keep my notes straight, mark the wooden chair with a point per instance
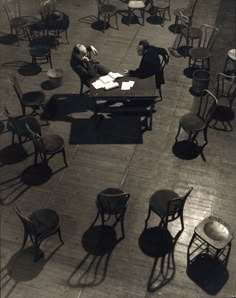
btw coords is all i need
(136, 5)
(106, 10)
(202, 53)
(112, 202)
(161, 7)
(168, 205)
(47, 146)
(193, 123)
(32, 99)
(39, 225)
(164, 60)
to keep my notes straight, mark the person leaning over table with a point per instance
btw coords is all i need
(84, 66)
(150, 63)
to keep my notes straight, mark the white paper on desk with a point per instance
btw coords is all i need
(111, 85)
(125, 86)
(115, 75)
(98, 84)
(106, 79)
(131, 83)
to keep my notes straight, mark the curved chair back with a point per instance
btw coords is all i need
(17, 89)
(191, 6)
(11, 119)
(226, 87)
(207, 106)
(164, 59)
(28, 225)
(47, 7)
(37, 141)
(12, 8)
(208, 37)
(176, 206)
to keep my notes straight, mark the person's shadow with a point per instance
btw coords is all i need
(158, 243)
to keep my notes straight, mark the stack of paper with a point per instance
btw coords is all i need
(111, 85)
(115, 75)
(98, 84)
(127, 85)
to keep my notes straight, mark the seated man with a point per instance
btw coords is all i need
(150, 63)
(84, 66)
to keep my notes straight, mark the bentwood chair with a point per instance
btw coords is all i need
(112, 202)
(168, 205)
(136, 5)
(188, 32)
(201, 54)
(39, 225)
(33, 99)
(188, 12)
(16, 21)
(212, 236)
(47, 146)
(161, 7)
(106, 10)
(164, 60)
(17, 126)
(193, 123)
(225, 93)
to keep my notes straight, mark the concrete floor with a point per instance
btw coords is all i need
(114, 154)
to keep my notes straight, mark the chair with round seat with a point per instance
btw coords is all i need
(39, 225)
(225, 93)
(161, 7)
(106, 10)
(202, 53)
(112, 202)
(193, 123)
(136, 5)
(230, 63)
(168, 205)
(32, 99)
(213, 237)
(47, 146)
(17, 126)
(188, 12)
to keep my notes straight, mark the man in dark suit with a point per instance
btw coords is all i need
(84, 66)
(150, 63)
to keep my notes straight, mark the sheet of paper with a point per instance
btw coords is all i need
(131, 83)
(98, 84)
(106, 79)
(111, 85)
(125, 86)
(115, 75)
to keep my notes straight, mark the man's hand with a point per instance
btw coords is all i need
(85, 58)
(126, 72)
(95, 52)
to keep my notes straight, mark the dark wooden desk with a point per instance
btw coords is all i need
(143, 93)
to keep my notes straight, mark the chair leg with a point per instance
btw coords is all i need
(117, 27)
(160, 92)
(50, 60)
(25, 238)
(176, 137)
(64, 157)
(182, 221)
(36, 251)
(143, 15)
(59, 234)
(66, 34)
(176, 24)
(148, 216)
(205, 136)
(129, 16)
(122, 226)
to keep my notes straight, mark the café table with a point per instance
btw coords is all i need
(143, 92)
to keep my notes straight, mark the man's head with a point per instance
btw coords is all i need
(142, 47)
(81, 50)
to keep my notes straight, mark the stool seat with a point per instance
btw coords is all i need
(136, 4)
(232, 54)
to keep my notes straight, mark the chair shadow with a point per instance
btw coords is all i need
(133, 20)
(21, 268)
(155, 20)
(24, 68)
(8, 39)
(175, 28)
(99, 242)
(224, 115)
(158, 243)
(47, 85)
(12, 154)
(208, 273)
(187, 150)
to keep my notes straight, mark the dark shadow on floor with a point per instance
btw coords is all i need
(12, 154)
(155, 20)
(8, 39)
(186, 150)
(175, 28)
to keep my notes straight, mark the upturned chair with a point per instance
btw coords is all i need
(225, 93)
(39, 225)
(112, 202)
(106, 10)
(193, 123)
(202, 53)
(136, 5)
(47, 146)
(33, 99)
(168, 205)
(17, 126)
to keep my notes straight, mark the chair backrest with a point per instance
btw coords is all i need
(112, 203)
(17, 89)
(226, 87)
(207, 106)
(47, 8)
(28, 225)
(37, 141)
(12, 8)
(176, 206)
(164, 59)
(191, 6)
(11, 120)
(208, 36)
